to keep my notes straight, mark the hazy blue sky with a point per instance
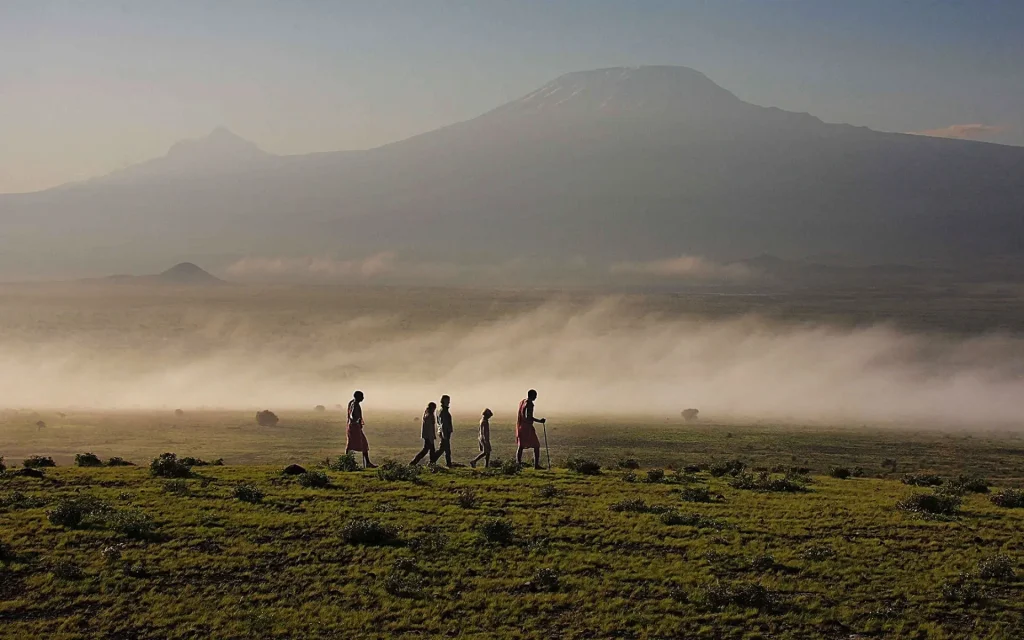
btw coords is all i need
(88, 87)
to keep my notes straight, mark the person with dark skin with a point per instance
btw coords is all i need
(444, 429)
(485, 440)
(427, 433)
(355, 438)
(526, 434)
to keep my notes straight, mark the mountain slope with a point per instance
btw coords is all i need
(604, 166)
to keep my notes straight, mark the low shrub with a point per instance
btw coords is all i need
(729, 467)
(629, 477)
(132, 523)
(747, 595)
(403, 584)
(763, 562)
(393, 471)
(859, 472)
(18, 500)
(680, 476)
(38, 462)
(112, 554)
(320, 408)
(839, 472)
(368, 532)
(167, 465)
(190, 461)
(766, 483)
(248, 493)
(119, 462)
(87, 460)
(177, 487)
(66, 513)
(430, 541)
(466, 498)
(510, 468)
(931, 503)
(583, 466)
(1009, 498)
(346, 463)
(67, 570)
(655, 475)
(970, 484)
(267, 418)
(314, 479)
(6, 552)
(818, 553)
(545, 579)
(3, 467)
(628, 463)
(922, 480)
(630, 505)
(998, 567)
(696, 494)
(497, 531)
(963, 590)
(548, 491)
(675, 519)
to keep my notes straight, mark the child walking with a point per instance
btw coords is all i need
(485, 440)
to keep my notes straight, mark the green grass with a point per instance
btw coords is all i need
(843, 559)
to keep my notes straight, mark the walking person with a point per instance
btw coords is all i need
(526, 434)
(444, 429)
(484, 440)
(427, 433)
(355, 438)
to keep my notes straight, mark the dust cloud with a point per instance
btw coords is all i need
(602, 359)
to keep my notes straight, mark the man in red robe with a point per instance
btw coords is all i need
(526, 434)
(356, 439)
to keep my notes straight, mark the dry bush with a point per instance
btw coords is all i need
(267, 418)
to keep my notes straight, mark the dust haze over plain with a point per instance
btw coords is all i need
(603, 357)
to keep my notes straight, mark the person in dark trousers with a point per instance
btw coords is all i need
(484, 440)
(356, 439)
(526, 434)
(444, 429)
(427, 433)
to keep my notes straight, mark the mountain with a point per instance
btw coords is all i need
(182, 274)
(596, 168)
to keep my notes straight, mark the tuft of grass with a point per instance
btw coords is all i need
(675, 518)
(544, 579)
(628, 463)
(746, 595)
(696, 494)
(817, 553)
(763, 562)
(177, 487)
(314, 479)
(404, 585)
(548, 491)
(67, 570)
(629, 476)
(3, 467)
(496, 531)
(466, 498)
(655, 476)
(248, 493)
(119, 462)
(38, 462)
(368, 532)
(510, 468)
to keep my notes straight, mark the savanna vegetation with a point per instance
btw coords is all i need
(248, 551)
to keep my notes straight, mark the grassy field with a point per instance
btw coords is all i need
(467, 553)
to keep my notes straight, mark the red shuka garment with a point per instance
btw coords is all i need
(354, 431)
(526, 435)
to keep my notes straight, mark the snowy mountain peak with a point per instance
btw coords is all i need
(648, 89)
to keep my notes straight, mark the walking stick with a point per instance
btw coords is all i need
(545, 425)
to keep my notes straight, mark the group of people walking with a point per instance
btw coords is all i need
(439, 424)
